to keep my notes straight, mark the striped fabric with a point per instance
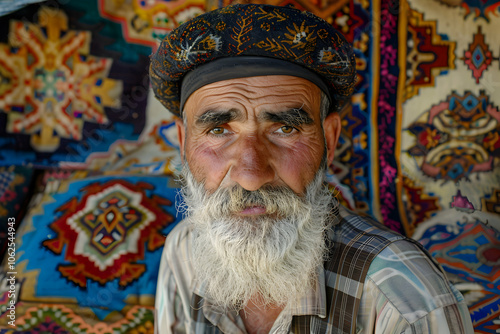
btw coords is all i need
(374, 281)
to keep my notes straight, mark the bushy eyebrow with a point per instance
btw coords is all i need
(217, 117)
(293, 117)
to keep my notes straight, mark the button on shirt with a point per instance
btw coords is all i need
(404, 291)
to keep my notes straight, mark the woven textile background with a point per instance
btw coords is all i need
(420, 144)
(421, 134)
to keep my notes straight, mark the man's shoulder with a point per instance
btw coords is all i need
(412, 282)
(178, 241)
(354, 228)
(354, 241)
(360, 231)
(179, 233)
(389, 248)
(406, 260)
(400, 272)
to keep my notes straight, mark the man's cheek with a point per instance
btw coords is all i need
(208, 166)
(298, 165)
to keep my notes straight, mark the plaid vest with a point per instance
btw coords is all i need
(354, 242)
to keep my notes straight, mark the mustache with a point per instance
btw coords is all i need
(226, 201)
(274, 199)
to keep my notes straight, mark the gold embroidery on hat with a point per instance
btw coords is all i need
(301, 37)
(333, 57)
(240, 32)
(271, 15)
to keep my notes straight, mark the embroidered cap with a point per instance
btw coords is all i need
(282, 33)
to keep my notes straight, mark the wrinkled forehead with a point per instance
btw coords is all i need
(221, 71)
(273, 93)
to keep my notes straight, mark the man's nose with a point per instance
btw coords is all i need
(252, 167)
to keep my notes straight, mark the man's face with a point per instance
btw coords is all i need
(256, 131)
(254, 189)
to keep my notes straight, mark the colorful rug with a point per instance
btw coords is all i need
(423, 124)
(15, 184)
(61, 319)
(449, 121)
(94, 242)
(74, 89)
(467, 245)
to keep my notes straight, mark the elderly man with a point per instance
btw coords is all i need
(264, 247)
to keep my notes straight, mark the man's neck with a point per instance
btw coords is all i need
(259, 319)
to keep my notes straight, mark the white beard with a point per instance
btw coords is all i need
(274, 257)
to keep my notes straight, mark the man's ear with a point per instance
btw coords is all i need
(332, 127)
(181, 135)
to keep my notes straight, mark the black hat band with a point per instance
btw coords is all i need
(243, 67)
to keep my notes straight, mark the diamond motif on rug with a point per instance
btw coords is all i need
(107, 230)
(478, 57)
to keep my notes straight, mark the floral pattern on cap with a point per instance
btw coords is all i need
(253, 30)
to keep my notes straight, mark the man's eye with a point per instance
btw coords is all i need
(286, 129)
(218, 131)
